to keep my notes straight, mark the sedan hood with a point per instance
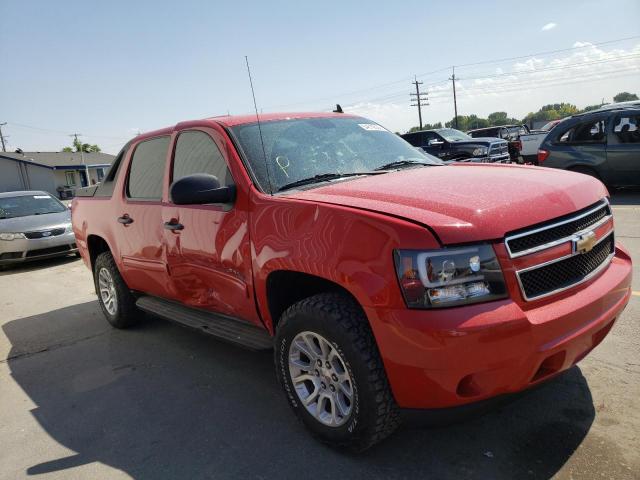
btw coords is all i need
(34, 222)
(466, 202)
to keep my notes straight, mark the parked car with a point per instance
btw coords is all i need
(603, 143)
(33, 225)
(382, 279)
(450, 144)
(531, 141)
(510, 133)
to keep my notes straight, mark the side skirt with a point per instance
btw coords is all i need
(220, 326)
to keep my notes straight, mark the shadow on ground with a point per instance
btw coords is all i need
(36, 265)
(161, 401)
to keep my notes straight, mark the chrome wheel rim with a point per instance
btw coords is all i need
(107, 291)
(321, 379)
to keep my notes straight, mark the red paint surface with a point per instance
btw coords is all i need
(346, 232)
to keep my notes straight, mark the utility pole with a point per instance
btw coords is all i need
(455, 103)
(79, 144)
(419, 98)
(2, 137)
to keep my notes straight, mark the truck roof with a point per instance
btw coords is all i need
(235, 120)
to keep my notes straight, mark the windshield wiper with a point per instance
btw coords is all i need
(400, 163)
(322, 177)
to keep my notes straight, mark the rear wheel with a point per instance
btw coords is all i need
(116, 301)
(329, 366)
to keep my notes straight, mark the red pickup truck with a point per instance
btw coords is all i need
(383, 279)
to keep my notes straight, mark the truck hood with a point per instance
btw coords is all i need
(477, 140)
(34, 222)
(466, 202)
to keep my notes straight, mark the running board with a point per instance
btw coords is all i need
(221, 326)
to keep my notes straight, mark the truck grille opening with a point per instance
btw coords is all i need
(45, 233)
(556, 230)
(562, 274)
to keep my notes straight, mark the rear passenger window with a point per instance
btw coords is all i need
(147, 169)
(585, 132)
(196, 152)
(627, 129)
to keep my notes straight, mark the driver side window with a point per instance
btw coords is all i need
(196, 152)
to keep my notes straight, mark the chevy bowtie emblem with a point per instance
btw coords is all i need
(585, 242)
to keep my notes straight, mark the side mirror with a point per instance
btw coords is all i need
(434, 142)
(200, 189)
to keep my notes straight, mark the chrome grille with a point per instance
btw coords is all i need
(584, 262)
(562, 273)
(557, 231)
(45, 233)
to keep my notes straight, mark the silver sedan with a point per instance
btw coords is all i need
(33, 225)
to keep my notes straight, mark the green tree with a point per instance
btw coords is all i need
(625, 97)
(552, 111)
(78, 146)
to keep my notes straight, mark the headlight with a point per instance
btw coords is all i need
(11, 236)
(69, 229)
(480, 152)
(449, 276)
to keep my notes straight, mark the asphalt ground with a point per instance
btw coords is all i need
(79, 399)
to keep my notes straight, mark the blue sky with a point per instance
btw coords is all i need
(107, 69)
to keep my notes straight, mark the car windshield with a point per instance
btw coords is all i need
(25, 205)
(453, 135)
(299, 149)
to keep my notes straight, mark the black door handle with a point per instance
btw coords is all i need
(125, 219)
(173, 225)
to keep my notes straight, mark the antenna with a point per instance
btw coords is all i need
(255, 105)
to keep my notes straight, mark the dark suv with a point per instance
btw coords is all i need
(454, 145)
(603, 144)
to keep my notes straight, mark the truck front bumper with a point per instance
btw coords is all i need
(448, 357)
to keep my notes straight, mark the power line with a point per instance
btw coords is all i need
(468, 92)
(554, 67)
(548, 52)
(422, 75)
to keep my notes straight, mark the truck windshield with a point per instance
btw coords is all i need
(303, 148)
(453, 135)
(25, 205)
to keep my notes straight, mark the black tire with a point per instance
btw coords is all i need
(126, 314)
(341, 321)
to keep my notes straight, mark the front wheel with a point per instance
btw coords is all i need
(115, 298)
(329, 366)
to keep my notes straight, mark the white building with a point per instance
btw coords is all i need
(59, 173)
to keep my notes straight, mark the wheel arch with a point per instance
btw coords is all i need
(96, 245)
(286, 287)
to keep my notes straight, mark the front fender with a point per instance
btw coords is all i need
(350, 247)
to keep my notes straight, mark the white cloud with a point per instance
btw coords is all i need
(583, 77)
(549, 26)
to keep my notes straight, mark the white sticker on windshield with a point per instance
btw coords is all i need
(372, 127)
(41, 196)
